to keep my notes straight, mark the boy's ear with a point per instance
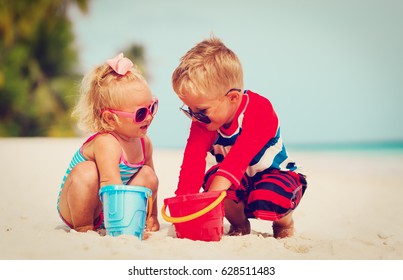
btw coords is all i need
(234, 96)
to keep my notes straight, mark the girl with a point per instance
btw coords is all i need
(117, 105)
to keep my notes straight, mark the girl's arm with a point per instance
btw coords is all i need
(149, 152)
(149, 162)
(106, 151)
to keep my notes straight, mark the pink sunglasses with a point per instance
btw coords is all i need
(140, 114)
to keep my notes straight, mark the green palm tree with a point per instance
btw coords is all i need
(37, 61)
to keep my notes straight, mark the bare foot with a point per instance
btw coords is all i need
(283, 230)
(146, 235)
(84, 228)
(239, 230)
(101, 231)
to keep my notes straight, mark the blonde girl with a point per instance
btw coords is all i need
(117, 106)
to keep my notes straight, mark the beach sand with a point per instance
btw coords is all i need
(352, 209)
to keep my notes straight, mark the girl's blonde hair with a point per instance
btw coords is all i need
(102, 88)
(209, 68)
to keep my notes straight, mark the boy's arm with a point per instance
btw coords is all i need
(193, 167)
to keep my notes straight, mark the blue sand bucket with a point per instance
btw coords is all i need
(125, 209)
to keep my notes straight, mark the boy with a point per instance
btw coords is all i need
(241, 129)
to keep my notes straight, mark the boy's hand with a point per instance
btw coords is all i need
(219, 183)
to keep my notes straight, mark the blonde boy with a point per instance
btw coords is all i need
(241, 129)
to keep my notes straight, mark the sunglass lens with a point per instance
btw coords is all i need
(203, 118)
(141, 114)
(154, 108)
(198, 116)
(186, 112)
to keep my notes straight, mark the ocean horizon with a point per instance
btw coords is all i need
(395, 145)
(356, 146)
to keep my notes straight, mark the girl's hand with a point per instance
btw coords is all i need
(152, 223)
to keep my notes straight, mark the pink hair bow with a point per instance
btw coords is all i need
(120, 64)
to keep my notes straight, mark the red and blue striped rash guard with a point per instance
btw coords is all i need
(251, 144)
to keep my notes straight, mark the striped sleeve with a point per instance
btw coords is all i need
(259, 125)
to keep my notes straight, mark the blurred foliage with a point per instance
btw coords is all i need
(136, 53)
(38, 82)
(37, 61)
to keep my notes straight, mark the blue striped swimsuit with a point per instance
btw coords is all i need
(127, 170)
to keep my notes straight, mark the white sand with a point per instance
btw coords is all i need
(352, 210)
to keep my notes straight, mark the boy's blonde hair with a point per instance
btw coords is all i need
(102, 88)
(209, 69)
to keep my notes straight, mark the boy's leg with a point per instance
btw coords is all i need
(235, 214)
(79, 202)
(284, 227)
(234, 207)
(274, 197)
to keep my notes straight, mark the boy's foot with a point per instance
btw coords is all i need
(283, 231)
(239, 230)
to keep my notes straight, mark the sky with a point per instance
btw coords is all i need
(333, 70)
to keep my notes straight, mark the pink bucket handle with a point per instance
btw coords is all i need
(193, 216)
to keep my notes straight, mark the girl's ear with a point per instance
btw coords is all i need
(109, 118)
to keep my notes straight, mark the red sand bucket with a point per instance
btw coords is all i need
(196, 216)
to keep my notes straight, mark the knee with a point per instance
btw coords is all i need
(85, 174)
(151, 178)
(147, 178)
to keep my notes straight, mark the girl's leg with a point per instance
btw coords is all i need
(146, 177)
(79, 201)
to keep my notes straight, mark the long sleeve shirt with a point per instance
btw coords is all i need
(251, 144)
